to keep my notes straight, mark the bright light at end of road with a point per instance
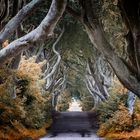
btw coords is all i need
(75, 106)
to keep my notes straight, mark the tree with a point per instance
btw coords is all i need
(98, 78)
(126, 70)
(45, 29)
(122, 69)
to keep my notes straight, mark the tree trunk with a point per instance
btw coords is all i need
(130, 102)
(97, 37)
(120, 69)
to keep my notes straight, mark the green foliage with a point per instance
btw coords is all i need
(107, 108)
(63, 101)
(86, 102)
(113, 25)
(76, 42)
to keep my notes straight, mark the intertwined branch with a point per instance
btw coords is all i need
(44, 30)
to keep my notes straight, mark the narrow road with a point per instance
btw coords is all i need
(73, 126)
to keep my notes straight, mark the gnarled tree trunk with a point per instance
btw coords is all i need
(96, 34)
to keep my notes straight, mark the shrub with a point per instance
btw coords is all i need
(114, 117)
(63, 102)
(107, 108)
(87, 102)
(30, 112)
(119, 121)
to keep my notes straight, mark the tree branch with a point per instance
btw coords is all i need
(15, 21)
(92, 90)
(58, 57)
(42, 31)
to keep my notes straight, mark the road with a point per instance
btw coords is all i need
(73, 126)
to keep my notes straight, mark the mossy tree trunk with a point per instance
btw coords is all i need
(124, 71)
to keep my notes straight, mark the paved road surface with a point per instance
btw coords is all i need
(73, 126)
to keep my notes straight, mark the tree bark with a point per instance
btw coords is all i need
(99, 84)
(130, 102)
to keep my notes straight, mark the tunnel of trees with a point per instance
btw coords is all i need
(53, 51)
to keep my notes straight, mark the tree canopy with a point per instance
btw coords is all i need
(104, 22)
(68, 48)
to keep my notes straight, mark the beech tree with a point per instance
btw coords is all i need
(44, 30)
(98, 78)
(122, 68)
(127, 70)
(88, 12)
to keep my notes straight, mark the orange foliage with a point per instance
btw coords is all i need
(29, 114)
(19, 131)
(120, 121)
(115, 121)
(29, 69)
(5, 43)
(135, 134)
(117, 87)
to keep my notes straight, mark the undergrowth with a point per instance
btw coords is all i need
(114, 117)
(29, 114)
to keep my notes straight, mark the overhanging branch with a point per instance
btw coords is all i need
(42, 31)
(15, 21)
